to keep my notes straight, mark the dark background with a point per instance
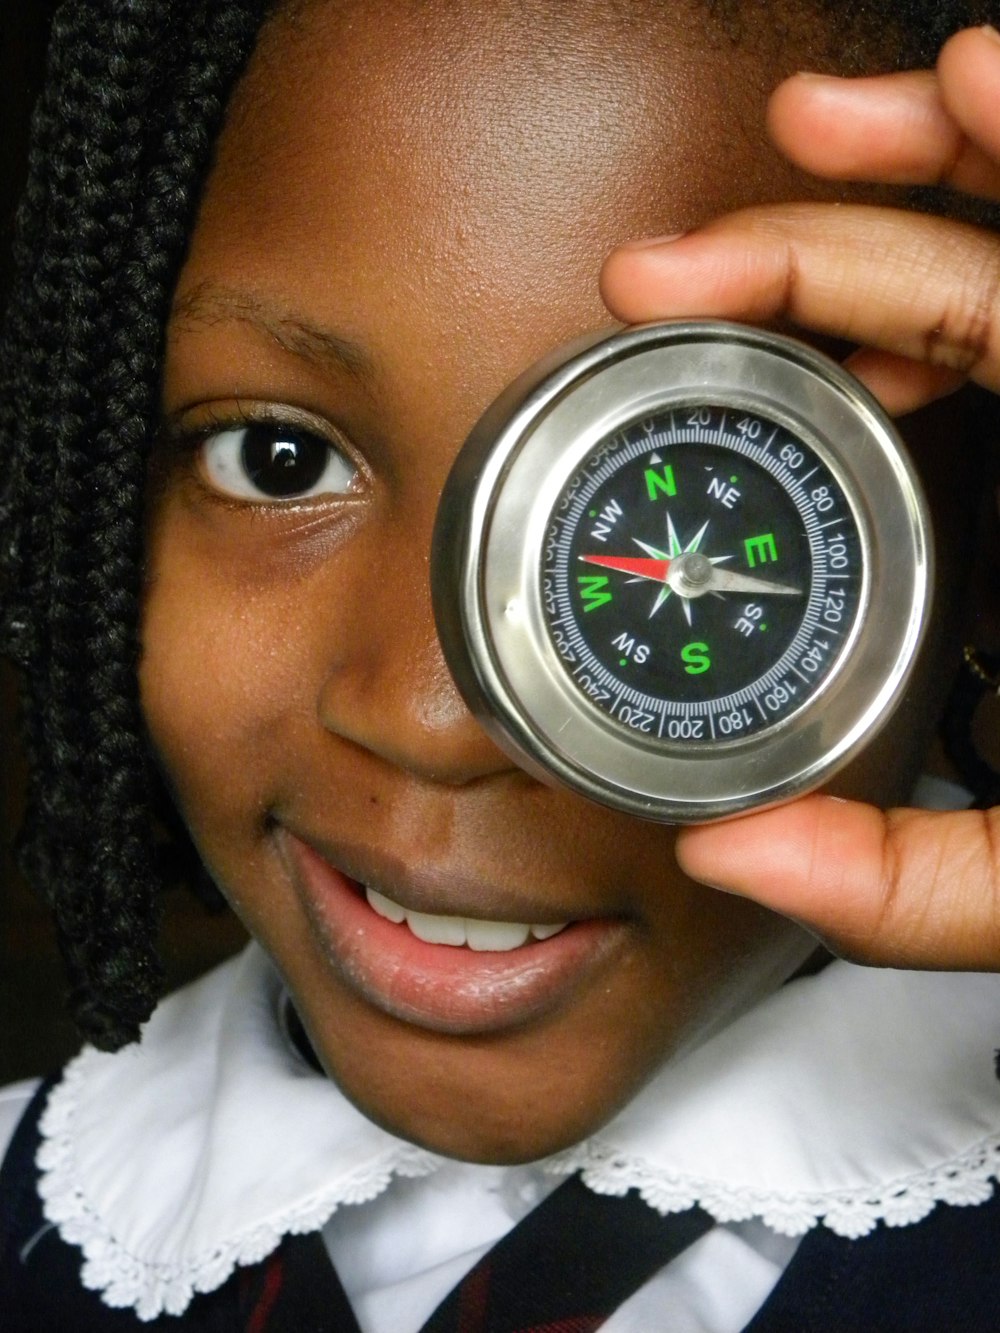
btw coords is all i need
(36, 1036)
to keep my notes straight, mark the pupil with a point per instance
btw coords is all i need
(282, 464)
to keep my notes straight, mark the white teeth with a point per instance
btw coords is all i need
(436, 929)
(385, 906)
(546, 932)
(494, 936)
(483, 936)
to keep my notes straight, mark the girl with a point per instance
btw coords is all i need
(273, 268)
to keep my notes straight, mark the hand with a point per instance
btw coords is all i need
(922, 296)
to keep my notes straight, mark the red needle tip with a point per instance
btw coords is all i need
(640, 566)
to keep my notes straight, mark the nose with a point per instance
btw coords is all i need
(386, 686)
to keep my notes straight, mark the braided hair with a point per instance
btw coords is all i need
(122, 141)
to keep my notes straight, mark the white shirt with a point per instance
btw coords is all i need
(850, 1097)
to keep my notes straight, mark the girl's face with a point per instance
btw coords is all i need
(410, 203)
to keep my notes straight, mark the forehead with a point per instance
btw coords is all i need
(441, 176)
(522, 96)
(439, 127)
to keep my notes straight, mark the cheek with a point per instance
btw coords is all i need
(224, 673)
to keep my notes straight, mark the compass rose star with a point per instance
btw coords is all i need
(664, 590)
(675, 549)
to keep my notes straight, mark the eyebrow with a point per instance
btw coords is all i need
(210, 303)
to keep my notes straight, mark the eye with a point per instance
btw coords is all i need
(269, 461)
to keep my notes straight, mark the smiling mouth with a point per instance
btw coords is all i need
(458, 931)
(447, 973)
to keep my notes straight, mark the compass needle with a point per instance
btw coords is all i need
(657, 570)
(768, 456)
(727, 580)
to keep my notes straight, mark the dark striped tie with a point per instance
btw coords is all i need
(565, 1268)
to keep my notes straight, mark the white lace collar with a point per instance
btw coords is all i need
(850, 1097)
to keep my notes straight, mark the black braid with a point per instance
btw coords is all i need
(122, 142)
(123, 137)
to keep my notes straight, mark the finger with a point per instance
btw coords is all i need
(906, 888)
(901, 385)
(893, 129)
(908, 129)
(968, 72)
(916, 286)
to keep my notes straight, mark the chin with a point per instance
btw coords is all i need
(499, 1101)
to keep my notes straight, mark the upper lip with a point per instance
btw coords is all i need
(420, 885)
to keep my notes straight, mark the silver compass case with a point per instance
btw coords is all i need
(507, 562)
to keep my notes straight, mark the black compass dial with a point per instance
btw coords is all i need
(702, 575)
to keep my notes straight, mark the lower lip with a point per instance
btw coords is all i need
(437, 986)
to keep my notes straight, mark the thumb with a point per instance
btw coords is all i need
(901, 888)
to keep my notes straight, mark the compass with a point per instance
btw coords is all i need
(683, 569)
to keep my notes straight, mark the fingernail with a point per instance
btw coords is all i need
(651, 242)
(832, 87)
(989, 31)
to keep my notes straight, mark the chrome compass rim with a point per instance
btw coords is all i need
(495, 518)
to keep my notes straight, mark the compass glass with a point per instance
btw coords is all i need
(702, 575)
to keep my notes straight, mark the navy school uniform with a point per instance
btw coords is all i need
(940, 1275)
